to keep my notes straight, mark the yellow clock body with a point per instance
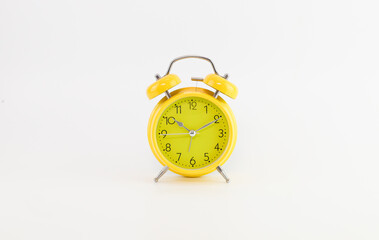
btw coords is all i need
(192, 132)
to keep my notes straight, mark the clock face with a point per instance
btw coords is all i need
(192, 133)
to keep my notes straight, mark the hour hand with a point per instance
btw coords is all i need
(181, 125)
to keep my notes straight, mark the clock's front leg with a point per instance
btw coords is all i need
(161, 173)
(219, 169)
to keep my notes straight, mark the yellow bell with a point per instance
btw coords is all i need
(221, 84)
(162, 85)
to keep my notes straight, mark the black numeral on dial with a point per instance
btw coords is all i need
(169, 120)
(222, 133)
(178, 109)
(163, 133)
(206, 157)
(180, 154)
(192, 105)
(217, 147)
(168, 147)
(192, 161)
(216, 117)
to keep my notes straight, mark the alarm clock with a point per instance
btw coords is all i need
(192, 131)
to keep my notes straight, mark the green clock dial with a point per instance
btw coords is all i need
(192, 133)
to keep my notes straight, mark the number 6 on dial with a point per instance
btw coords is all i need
(192, 131)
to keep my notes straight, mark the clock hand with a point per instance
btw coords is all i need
(206, 125)
(190, 144)
(172, 134)
(181, 125)
(192, 133)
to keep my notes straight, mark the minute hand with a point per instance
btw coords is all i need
(206, 125)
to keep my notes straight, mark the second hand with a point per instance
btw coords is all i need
(164, 134)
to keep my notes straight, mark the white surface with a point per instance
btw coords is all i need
(74, 157)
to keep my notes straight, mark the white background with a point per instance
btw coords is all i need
(74, 156)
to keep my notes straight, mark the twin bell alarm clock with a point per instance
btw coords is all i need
(192, 131)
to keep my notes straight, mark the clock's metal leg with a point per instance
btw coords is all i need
(219, 169)
(161, 173)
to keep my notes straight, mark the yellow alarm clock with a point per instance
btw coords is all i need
(192, 131)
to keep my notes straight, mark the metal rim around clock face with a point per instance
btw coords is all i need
(192, 132)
